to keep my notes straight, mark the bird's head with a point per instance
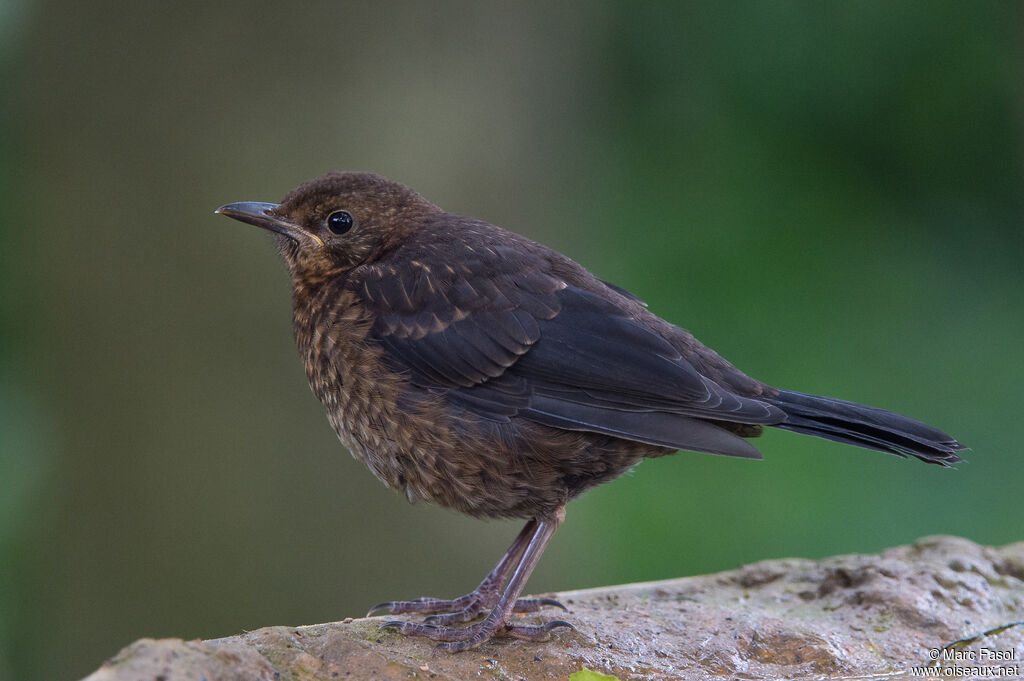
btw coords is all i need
(336, 222)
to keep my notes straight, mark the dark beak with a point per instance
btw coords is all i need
(262, 215)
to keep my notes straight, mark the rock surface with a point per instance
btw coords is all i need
(848, 616)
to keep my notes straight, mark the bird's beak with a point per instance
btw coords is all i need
(263, 215)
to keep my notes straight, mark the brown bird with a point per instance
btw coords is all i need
(472, 367)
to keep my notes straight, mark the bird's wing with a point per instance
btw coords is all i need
(458, 322)
(503, 337)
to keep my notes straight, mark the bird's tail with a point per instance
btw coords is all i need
(864, 426)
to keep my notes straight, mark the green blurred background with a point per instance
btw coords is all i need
(829, 194)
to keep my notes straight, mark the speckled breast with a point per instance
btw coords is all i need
(414, 442)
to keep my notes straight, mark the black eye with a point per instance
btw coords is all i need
(340, 221)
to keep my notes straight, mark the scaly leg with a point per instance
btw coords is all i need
(525, 552)
(466, 608)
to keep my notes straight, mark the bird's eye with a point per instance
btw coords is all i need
(340, 221)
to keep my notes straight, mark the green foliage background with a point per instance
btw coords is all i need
(828, 193)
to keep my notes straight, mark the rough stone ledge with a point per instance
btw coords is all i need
(855, 616)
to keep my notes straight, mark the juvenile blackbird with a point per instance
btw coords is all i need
(472, 367)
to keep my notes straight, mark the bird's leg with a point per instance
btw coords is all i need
(466, 608)
(497, 622)
(485, 595)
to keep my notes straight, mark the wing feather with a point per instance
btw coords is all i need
(503, 339)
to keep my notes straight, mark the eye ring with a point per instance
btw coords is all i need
(340, 222)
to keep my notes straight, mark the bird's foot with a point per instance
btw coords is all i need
(471, 612)
(520, 560)
(454, 639)
(462, 609)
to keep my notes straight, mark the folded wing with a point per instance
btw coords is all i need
(505, 339)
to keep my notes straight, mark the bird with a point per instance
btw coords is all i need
(471, 367)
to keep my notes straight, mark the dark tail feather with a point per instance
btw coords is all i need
(864, 426)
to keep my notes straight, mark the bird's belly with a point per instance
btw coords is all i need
(418, 443)
(420, 455)
(519, 469)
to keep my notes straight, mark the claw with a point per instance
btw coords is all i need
(559, 623)
(386, 605)
(533, 633)
(397, 624)
(552, 602)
